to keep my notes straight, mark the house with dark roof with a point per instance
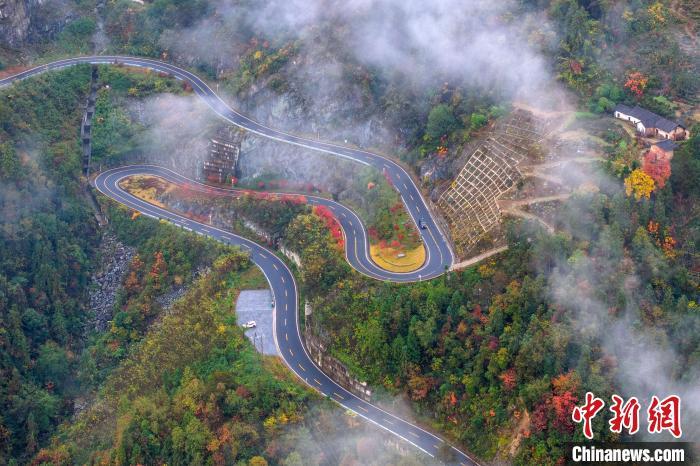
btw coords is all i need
(650, 124)
(664, 148)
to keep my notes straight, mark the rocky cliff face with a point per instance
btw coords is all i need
(14, 22)
(31, 21)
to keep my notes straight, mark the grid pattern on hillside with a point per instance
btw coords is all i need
(469, 205)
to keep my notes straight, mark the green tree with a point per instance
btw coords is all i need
(441, 121)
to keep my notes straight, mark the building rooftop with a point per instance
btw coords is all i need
(666, 145)
(648, 118)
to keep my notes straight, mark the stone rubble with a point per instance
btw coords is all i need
(107, 280)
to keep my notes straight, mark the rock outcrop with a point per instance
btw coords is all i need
(14, 22)
(31, 21)
(108, 279)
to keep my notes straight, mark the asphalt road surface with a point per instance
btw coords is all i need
(286, 329)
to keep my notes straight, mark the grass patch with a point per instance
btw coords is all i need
(398, 260)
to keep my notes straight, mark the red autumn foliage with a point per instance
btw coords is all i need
(659, 168)
(575, 66)
(539, 419)
(565, 382)
(636, 83)
(395, 208)
(296, 199)
(453, 399)
(563, 406)
(508, 379)
(387, 177)
(331, 223)
(479, 315)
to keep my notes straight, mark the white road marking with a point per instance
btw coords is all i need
(301, 367)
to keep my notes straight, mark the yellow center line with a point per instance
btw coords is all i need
(316, 380)
(363, 409)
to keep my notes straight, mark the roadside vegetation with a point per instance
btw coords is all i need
(48, 239)
(116, 126)
(489, 350)
(108, 391)
(194, 391)
(492, 352)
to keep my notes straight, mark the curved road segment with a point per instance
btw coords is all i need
(285, 294)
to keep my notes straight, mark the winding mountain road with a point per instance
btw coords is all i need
(287, 334)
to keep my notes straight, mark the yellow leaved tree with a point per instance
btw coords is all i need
(639, 184)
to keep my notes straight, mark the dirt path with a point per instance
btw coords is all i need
(506, 203)
(476, 259)
(514, 211)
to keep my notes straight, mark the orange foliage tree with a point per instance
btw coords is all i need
(658, 168)
(636, 83)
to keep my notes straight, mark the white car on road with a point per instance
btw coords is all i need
(249, 324)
